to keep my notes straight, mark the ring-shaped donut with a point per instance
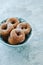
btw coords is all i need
(16, 36)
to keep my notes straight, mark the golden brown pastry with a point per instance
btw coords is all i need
(13, 21)
(16, 36)
(25, 27)
(5, 29)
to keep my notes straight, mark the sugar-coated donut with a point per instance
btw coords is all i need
(5, 28)
(25, 27)
(16, 36)
(13, 21)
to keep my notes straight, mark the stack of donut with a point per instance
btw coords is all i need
(13, 31)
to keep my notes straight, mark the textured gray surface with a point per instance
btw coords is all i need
(32, 53)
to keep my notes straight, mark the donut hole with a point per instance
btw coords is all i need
(18, 33)
(4, 27)
(24, 27)
(13, 22)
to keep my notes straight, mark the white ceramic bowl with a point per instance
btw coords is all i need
(28, 37)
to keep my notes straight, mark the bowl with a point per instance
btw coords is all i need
(28, 37)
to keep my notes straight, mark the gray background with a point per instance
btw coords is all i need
(32, 53)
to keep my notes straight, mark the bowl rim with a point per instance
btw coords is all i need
(27, 42)
(18, 44)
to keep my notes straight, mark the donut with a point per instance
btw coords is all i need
(13, 21)
(16, 36)
(25, 27)
(6, 28)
